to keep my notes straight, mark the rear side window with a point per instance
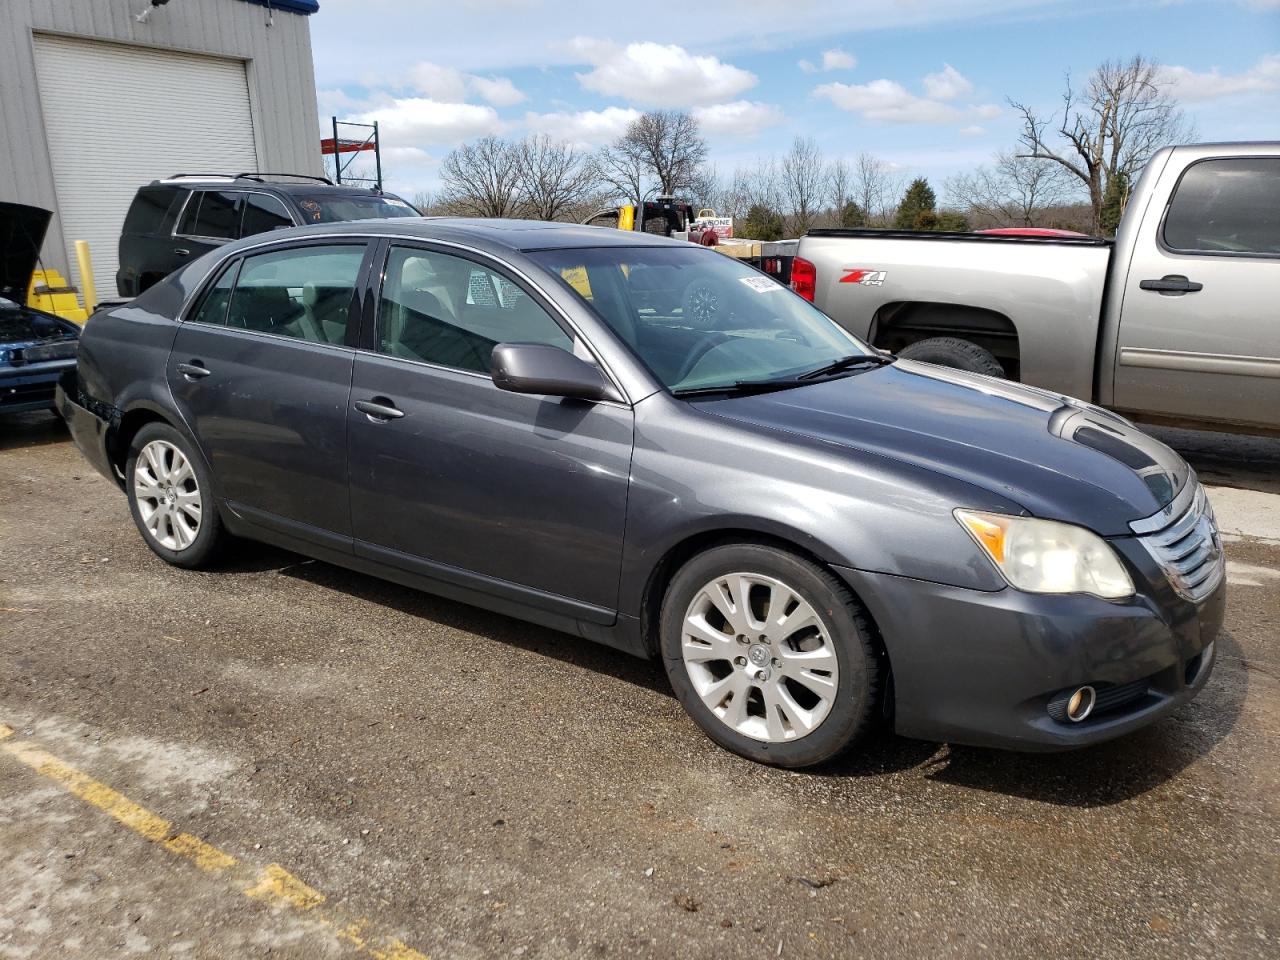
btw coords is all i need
(212, 213)
(263, 212)
(301, 292)
(1228, 206)
(213, 307)
(147, 212)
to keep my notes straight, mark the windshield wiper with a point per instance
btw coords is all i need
(848, 363)
(740, 387)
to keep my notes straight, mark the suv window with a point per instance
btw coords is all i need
(302, 292)
(443, 309)
(147, 212)
(212, 213)
(263, 212)
(1226, 206)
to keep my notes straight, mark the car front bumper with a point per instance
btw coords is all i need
(991, 669)
(31, 387)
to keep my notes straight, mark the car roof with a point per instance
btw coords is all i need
(291, 187)
(498, 234)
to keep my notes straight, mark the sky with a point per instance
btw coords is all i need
(922, 84)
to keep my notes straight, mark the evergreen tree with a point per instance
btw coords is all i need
(762, 223)
(1113, 204)
(918, 199)
(851, 215)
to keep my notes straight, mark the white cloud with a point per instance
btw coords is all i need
(1188, 85)
(587, 128)
(438, 83)
(834, 59)
(660, 75)
(973, 130)
(741, 118)
(499, 91)
(423, 120)
(947, 84)
(337, 102)
(887, 101)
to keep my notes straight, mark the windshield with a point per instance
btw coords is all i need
(322, 209)
(699, 319)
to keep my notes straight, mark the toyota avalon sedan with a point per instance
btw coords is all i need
(649, 445)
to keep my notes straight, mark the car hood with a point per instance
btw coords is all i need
(1059, 458)
(22, 230)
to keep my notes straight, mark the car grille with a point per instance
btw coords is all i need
(1188, 547)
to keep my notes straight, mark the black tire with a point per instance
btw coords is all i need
(209, 536)
(956, 353)
(860, 669)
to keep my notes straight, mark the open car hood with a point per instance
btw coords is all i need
(22, 230)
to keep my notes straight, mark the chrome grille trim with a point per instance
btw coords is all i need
(1185, 542)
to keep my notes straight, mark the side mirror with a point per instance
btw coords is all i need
(542, 368)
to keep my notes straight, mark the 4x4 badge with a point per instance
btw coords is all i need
(868, 278)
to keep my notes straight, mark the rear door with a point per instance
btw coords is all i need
(261, 370)
(522, 496)
(209, 219)
(1199, 332)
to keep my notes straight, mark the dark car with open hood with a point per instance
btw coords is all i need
(35, 347)
(650, 445)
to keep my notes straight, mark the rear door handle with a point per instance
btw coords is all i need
(379, 409)
(182, 251)
(195, 370)
(1173, 283)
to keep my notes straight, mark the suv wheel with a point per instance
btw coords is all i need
(171, 497)
(770, 654)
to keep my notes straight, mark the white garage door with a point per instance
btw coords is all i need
(118, 116)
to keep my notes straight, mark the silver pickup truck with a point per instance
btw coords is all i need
(1177, 321)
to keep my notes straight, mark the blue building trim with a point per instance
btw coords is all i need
(304, 7)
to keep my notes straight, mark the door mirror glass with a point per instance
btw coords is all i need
(548, 370)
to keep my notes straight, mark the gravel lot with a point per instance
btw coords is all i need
(466, 785)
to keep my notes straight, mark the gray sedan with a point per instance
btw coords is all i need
(652, 446)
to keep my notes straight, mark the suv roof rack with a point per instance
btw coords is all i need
(251, 175)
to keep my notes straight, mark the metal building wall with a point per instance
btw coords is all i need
(281, 79)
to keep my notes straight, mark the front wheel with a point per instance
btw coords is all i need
(171, 497)
(770, 654)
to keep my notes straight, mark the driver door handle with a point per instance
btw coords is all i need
(1172, 283)
(182, 251)
(379, 409)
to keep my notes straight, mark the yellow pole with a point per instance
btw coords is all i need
(627, 217)
(86, 276)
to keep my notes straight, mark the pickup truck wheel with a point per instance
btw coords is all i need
(954, 352)
(771, 655)
(171, 497)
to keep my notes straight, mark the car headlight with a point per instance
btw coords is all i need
(1045, 556)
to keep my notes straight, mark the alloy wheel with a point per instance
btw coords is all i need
(759, 657)
(167, 495)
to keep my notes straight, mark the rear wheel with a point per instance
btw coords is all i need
(954, 352)
(171, 497)
(770, 654)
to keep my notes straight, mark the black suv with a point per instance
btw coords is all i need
(176, 220)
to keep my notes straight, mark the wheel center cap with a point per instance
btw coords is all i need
(758, 654)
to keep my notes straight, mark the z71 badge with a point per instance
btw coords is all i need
(868, 278)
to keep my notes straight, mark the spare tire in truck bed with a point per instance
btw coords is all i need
(954, 352)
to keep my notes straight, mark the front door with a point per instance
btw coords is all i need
(1200, 326)
(261, 370)
(523, 496)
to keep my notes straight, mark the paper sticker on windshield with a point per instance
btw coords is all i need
(762, 284)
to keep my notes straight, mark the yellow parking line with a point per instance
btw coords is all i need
(272, 883)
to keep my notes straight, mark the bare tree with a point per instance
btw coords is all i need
(663, 148)
(1125, 113)
(804, 182)
(482, 179)
(875, 188)
(704, 188)
(553, 177)
(1013, 192)
(839, 184)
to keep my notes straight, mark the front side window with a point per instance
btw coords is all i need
(447, 310)
(332, 208)
(1226, 206)
(699, 319)
(302, 292)
(263, 212)
(212, 214)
